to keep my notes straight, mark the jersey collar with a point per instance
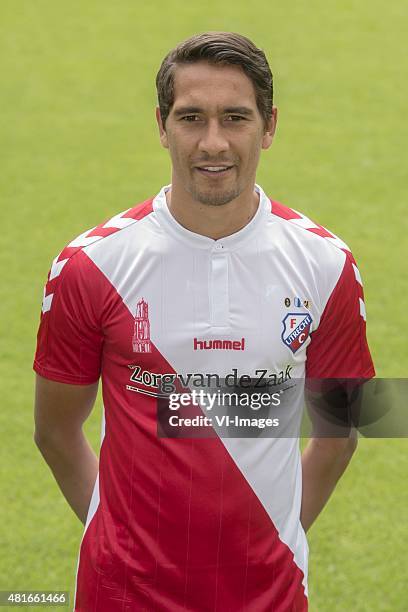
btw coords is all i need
(173, 227)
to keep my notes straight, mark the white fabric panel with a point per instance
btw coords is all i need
(47, 301)
(56, 267)
(219, 296)
(362, 309)
(357, 275)
(93, 506)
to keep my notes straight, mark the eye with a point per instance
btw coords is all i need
(235, 118)
(190, 118)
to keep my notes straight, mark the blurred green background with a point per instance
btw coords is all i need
(79, 144)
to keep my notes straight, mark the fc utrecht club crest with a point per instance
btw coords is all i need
(296, 329)
(141, 334)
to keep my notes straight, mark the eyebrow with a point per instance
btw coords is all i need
(187, 110)
(232, 110)
(239, 110)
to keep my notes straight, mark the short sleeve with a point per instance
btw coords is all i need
(338, 347)
(70, 338)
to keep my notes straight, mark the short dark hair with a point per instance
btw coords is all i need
(217, 48)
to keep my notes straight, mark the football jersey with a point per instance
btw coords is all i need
(185, 523)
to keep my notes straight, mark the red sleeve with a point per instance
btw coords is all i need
(338, 347)
(70, 338)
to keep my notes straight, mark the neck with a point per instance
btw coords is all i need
(212, 221)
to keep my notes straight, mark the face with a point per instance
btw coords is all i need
(214, 133)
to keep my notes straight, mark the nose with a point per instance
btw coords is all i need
(213, 141)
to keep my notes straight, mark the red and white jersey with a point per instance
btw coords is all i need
(197, 524)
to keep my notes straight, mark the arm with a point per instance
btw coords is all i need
(323, 462)
(338, 352)
(60, 411)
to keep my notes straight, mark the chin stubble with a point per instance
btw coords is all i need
(215, 199)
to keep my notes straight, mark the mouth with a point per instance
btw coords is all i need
(214, 170)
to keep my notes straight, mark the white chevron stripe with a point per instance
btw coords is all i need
(83, 239)
(362, 309)
(119, 221)
(303, 221)
(357, 275)
(307, 223)
(47, 301)
(56, 267)
(338, 242)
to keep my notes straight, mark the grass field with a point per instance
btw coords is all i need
(79, 143)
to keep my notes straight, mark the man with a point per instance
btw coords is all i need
(210, 276)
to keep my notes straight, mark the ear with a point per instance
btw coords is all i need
(270, 129)
(162, 130)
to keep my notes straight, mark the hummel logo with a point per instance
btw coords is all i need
(223, 345)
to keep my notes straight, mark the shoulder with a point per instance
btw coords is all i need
(312, 245)
(320, 248)
(305, 229)
(320, 257)
(115, 225)
(72, 264)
